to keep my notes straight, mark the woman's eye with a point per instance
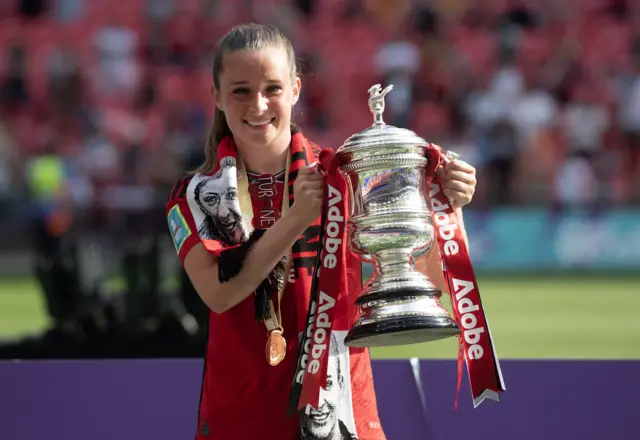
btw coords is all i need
(274, 89)
(241, 91)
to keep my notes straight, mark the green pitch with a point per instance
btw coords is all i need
(572, 317)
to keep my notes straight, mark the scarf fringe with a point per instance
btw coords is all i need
(230, 264)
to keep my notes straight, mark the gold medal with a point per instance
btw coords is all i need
(276, 348)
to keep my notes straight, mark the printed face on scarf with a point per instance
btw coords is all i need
(323, 423)
(257, 94)
(217, 202)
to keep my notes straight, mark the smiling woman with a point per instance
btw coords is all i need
(246, 227)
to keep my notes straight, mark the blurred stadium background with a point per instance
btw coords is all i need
(103, 104)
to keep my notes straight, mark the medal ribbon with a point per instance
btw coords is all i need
(475, 342)
(246, 208)
(329, 277)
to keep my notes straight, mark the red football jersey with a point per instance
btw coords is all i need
(243, 397)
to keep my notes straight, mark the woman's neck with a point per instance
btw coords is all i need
(268, 160)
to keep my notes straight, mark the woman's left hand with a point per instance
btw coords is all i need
(459, 182)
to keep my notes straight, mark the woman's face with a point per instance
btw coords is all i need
(256, 95)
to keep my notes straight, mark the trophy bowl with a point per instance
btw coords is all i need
(390, 226)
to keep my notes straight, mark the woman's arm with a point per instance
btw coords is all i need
(264, 255)
(202, 266)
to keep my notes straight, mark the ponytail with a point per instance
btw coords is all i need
(219, 130)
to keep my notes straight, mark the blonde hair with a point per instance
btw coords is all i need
(249, 36)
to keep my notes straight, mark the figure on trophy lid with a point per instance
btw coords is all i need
(376, 101)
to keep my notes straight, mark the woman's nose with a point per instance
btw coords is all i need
(260, 104)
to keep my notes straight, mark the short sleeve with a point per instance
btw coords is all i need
(182, 227)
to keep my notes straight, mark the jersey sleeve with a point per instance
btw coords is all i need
(182, 227)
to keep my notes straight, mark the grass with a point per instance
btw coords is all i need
(556, 317)
(22, 308)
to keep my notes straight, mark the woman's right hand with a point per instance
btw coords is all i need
(308, 190)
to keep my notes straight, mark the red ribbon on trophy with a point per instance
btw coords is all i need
(475, 343)
(329, 280)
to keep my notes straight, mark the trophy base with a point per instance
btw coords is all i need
(401, 317)
(401, 331)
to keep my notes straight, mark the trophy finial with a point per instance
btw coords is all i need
(376, 102)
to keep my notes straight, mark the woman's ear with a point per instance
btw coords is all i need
(296, 90)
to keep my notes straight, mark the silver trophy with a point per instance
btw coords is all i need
(391, 225)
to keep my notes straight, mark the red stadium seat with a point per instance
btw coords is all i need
(346, 51)
(430, 118)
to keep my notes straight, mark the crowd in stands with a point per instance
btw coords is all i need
(542, 96)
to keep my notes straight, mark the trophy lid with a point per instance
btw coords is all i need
(380, 134)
